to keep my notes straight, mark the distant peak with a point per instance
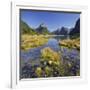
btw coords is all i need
(42, 25)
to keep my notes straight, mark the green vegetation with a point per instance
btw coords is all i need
(25, 29)
(52, 65)
(50, 56)
(29, 41)
(48, 71)
(31, 38)
(51, 60)
(38, 71)
(71, 43)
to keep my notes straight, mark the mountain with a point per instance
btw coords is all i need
(26, 29)
(76, 29)
(56, 31)
(42, 29)
(62, 31)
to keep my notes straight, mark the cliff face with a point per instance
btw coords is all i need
(76, 29)
(42, 29)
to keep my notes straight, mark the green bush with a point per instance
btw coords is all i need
(38, 71)
(50, 56)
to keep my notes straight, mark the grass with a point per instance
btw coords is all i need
(51, 63)
(51, 56)
(32, 41)
(71, 43)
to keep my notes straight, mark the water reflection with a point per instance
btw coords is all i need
(32, 56)
(34, 53)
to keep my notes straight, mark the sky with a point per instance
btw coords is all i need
(53, 20)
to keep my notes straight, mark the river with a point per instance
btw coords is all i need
(32, 56)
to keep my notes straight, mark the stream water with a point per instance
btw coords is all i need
(32, 56)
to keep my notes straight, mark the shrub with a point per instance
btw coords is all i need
(38, 71)
(48, 71)
(54, 65)
(51, 56)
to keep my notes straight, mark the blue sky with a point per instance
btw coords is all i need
(52, 20)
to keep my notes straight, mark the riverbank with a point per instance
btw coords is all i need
(71, 43)
(32, 41)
